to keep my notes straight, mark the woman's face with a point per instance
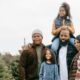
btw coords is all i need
(77, 44)
(48, 55)
(62, 12)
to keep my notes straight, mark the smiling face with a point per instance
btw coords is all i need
(77, 44)
(48, 55)
(64, 35)
(62, 12)
(37, 39)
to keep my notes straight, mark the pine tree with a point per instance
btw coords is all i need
(5, 73)
(14, 69)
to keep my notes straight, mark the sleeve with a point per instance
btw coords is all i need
(22, 64)
(41, 72)
(56, 73)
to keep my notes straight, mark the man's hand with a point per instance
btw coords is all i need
(27, 46)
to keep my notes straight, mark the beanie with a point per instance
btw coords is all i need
(37, 31)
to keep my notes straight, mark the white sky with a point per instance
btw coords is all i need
(18, 18)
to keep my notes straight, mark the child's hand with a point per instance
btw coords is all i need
(64, 27)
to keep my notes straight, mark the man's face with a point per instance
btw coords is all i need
(64, 35)
(37, 39)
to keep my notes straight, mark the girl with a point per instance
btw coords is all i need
(48, 70)
(74, 73)
(62, 21)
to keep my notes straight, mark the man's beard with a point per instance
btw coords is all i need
(64, 43)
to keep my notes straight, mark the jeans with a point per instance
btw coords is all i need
(55, 44)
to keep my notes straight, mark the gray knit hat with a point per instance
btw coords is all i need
(37, 31)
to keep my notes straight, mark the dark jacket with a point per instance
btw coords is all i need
(28, 66)
(71, 52)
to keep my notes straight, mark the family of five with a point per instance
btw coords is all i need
(60, 60)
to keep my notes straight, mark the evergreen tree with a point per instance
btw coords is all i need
(5, 73)
(14, 69)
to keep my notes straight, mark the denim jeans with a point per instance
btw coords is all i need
(55, 44)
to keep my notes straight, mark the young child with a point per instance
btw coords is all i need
(62, 21)
(48, 70)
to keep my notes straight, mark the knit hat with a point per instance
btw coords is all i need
(37, 31)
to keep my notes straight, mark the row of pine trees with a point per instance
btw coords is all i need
(9, 67)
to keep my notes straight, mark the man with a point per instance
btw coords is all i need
(65, 54)
(30, 59)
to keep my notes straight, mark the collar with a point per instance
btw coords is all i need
(42, 45)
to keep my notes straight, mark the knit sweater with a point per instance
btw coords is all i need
(48, 72)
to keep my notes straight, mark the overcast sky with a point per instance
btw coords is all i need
(18, 18)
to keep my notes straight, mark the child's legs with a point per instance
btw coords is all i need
(72, 41)
(55, 45)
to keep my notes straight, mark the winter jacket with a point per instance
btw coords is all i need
(28, 65)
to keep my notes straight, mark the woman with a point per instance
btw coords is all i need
(75, 65)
